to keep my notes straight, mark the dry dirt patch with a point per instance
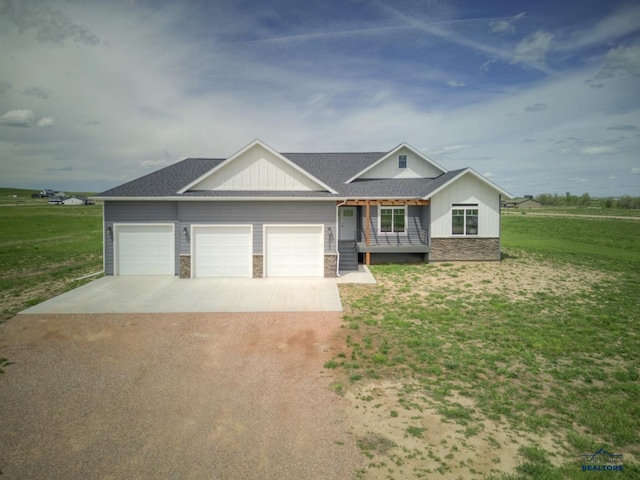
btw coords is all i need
(515, 278)
(188, 396)
(427, 445)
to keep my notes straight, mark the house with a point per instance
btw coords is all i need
(74, 201)
(262, 213)
(522, 203)
(77, 200)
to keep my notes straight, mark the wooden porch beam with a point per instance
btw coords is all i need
(391, 202)
(367, 255)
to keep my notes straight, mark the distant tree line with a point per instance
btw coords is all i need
(585, 200)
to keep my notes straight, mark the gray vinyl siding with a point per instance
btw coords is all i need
(417, 222)
(259, 214)
(140, 212)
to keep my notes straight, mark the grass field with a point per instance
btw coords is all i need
(578, 210)
(528, 363)
(43, 248)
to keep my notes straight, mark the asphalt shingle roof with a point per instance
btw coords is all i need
(332, 169)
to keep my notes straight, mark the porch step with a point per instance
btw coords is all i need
(348, 256)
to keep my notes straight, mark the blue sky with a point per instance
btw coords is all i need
(539, 96)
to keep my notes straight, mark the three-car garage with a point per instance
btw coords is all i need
(220, 250)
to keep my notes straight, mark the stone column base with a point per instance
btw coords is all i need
(185, 266)
(464, 248)
(330, 265)
(258, 266)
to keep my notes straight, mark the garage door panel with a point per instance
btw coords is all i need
(145, 249)
(223, 251)
(294, 251)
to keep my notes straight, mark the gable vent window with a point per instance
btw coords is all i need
(464, 220)
(402, 161)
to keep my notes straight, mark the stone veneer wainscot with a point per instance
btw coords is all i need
(483, 249)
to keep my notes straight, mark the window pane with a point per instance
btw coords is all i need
(472, 222)
(386, 219)
(402, 161)
(398, 220)
(457, 225)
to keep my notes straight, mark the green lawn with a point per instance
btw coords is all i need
(552, 357)
(43, 248)
(578, 210)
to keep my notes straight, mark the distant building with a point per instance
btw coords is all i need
(77, 200)
(522, 203)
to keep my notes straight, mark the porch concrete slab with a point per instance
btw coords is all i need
(363, 275)
(168, 294)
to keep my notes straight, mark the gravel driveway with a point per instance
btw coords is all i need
(172, 396)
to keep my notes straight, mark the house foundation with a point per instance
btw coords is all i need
(483, 249)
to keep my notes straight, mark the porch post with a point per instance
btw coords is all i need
(367, 232)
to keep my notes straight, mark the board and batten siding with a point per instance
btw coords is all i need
(466, 189)
(258, 214)
(139, 213)
(415, 227)
(416, 167)
(257, 169)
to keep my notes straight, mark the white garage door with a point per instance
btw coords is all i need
(222, 251)
(145, 250)
(294, 251)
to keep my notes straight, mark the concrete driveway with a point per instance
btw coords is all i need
(173, 396)
(162, 294)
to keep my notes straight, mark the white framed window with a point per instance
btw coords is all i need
(402, 161)
(392, 220)
(464, 219)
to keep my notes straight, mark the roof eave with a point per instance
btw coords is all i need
(174, 198)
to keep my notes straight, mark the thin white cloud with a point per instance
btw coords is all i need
(620, 61)
(154, 164)
(17, 118)
(49, 24)
(527, 55)
(621, 22)
(635, 170)
(5, 87)
(532, 50)
(536, 107)
(504, 26)
(456, 83)
(598, 150)
(38, 92)
(46, 122)
(501, 26)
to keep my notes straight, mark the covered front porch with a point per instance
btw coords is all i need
(389, 226)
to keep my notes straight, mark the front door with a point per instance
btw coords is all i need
(348, 223)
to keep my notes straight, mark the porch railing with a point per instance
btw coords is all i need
(418, 237)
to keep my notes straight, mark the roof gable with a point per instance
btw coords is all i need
(458, 174)
(417, 166)
(257, 167)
